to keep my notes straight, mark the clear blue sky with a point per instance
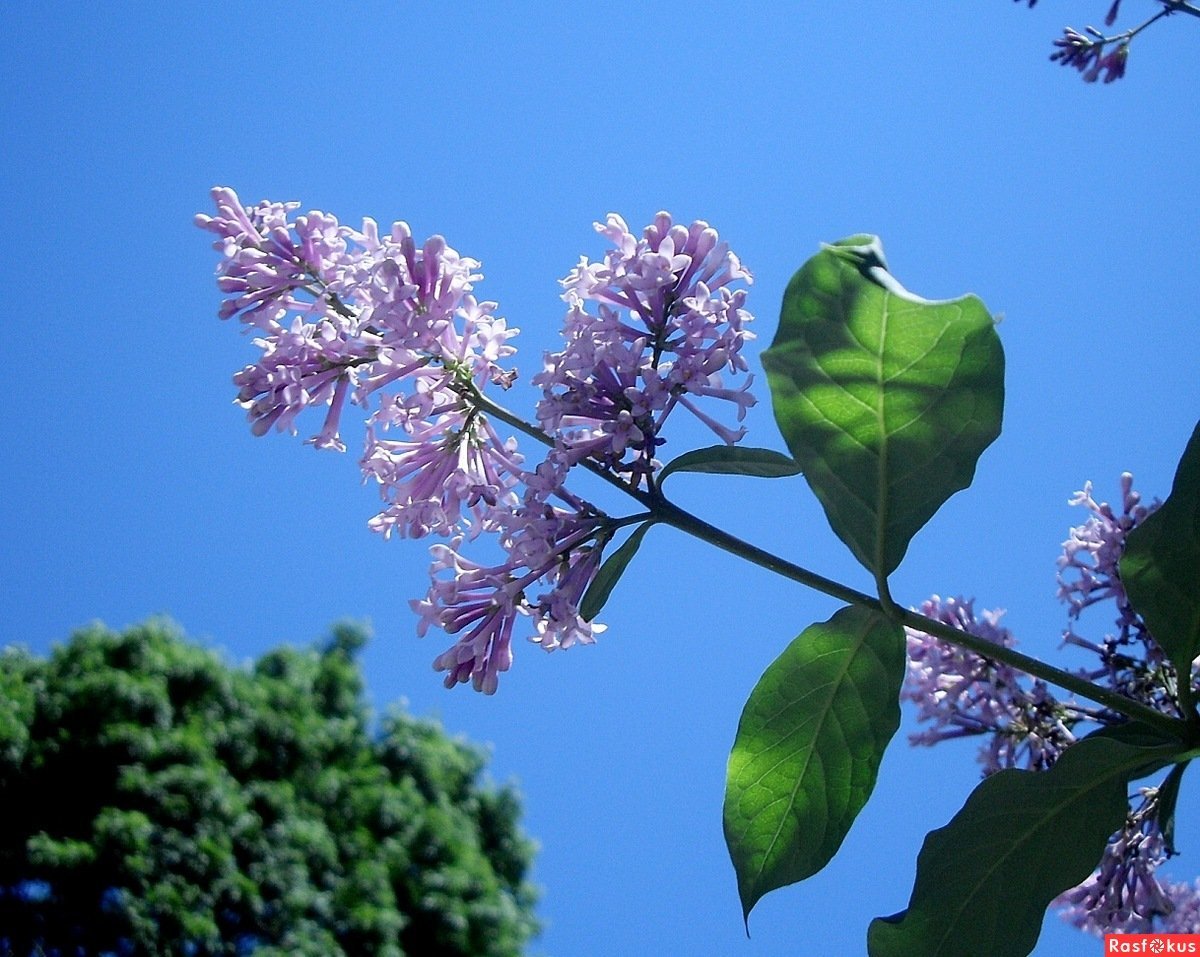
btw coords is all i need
(130, 484)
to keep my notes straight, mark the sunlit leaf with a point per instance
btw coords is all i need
(886, 400)
(808, 748)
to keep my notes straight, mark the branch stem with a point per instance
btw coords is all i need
(668, 513)
(671, 514)
(1181, 6)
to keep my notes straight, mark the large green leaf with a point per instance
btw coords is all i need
(808, 749)
(1161, 565)
(886, 400)
(984, 880)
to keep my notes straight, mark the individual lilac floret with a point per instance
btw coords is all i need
(961, 694)
(663, 326)
(1125, 894)
(354, 316)
(546, 546)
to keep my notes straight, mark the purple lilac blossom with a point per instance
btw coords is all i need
(1129, 660)
(1087, 570)
(665, 326)
(545, 545)
(960, 694)
(350, 315)
(1125, 894)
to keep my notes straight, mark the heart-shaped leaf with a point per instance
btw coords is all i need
(886, 400)
(808, 748)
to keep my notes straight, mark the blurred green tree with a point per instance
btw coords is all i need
(158, 801)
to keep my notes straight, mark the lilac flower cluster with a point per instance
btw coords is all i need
(1126, 894)
(960, 694)
(1129, 661)
(1087, 569)
(666, 325)
(1093, 56)
(543, 543)
(344, 314)
(1092, 53)
(350, 316)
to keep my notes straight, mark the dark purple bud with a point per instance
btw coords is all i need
(1112, 13)
(1075, 50)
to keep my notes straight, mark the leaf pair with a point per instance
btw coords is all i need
(886, 401)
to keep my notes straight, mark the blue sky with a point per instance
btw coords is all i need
(131, 486)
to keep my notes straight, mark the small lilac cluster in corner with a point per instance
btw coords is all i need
(960, 694)
(347, 316)
(1093, 56)
(666, 324)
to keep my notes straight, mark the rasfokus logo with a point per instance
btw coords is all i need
(1154, 944)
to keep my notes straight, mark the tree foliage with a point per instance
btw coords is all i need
(158, 800)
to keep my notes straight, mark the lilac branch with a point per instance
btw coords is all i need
(666, 512)
(1096, 55)
(670, 514)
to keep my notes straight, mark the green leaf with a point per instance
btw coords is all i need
(733, 460)
(886, 400)
(808, 748)
(984, 880)
(596, 597)
(1168, 798)
(1161, 565)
